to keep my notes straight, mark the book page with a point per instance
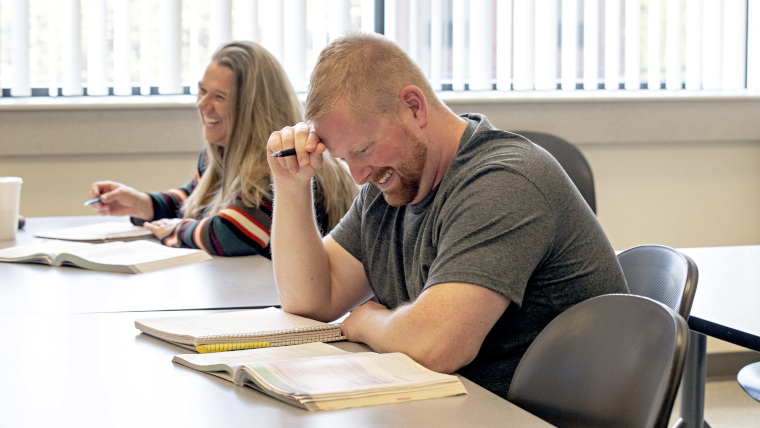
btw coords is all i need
(98, 232)
(130, 253)
(45, 250)
(342, 375)
(186, 329)
(229, 361)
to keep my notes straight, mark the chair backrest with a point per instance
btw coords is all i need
(571, 159)
(614, 360)
(661, 273)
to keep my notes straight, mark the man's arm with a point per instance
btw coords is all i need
(443, 329)
(314, 279)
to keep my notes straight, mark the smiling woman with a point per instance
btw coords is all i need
(226, 209)
(213, 91)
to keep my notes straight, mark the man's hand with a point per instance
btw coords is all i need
(443, 329)
(356, 322)
(309, 149)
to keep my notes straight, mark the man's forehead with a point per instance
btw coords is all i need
(338, 127)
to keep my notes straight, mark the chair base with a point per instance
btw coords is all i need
(749, 379)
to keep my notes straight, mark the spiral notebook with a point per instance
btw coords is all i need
(245, 329)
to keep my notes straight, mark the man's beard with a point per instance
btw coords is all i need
(409, 173)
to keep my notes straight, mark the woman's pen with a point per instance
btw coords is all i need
(283, 153)
(92, 201)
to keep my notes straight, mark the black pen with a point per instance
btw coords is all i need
(283, 153)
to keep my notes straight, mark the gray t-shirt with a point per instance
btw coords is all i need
(506, 217)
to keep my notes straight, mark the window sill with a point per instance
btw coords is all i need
(449, 97)
(145, 125)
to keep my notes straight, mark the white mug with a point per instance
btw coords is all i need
(10, 198)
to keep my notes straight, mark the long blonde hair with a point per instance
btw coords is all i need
(260, 101)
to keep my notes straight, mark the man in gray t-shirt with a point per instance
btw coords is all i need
(506, 217)
(469, 238)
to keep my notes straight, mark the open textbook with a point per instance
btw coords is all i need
(99, 232)
(245, 329)
(317, 376)
(124, 257)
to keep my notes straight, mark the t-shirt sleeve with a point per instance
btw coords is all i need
(493, 234)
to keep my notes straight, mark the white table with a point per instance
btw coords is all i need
(224, 282)
(97, 370)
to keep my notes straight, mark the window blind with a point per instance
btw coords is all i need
(125, 47)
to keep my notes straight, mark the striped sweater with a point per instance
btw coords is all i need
(237, 230)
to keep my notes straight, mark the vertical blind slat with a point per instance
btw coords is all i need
(391, 16)
(96, 47)
(632, 44)
(590, 45)
(712, 49)
(318, 23)
(734, 45)
(171, 47)
(20, 49)
(654, 45)
(340, 18)
(436, 44)
(71, 50)
(52, 37)
(196, 67)
(524, 32)
(753, 45)
(295, 45)
(368, 16)
(612, 45)
(413, 31)
(277, 46)
(122, 84)
(673, 45)
(146, 62)
(458, 45)
(504, 45)
(220, 23)
(693, 45)
(481, 42)
(569, 44)
(248, 19)
(545, 58)
(422, 33)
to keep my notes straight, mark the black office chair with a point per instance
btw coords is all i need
(661, 273)
(572, 161)
(613, 360)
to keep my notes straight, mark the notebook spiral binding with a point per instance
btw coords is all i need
(295, 336)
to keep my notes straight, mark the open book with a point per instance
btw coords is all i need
(99, 232)
(124, 257)
(227, 331)
(318, 376)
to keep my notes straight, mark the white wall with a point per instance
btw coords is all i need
(681, 171)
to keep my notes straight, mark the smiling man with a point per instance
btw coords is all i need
(470, 239)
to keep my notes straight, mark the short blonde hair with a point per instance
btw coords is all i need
(366, 71)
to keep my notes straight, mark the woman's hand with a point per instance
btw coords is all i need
(162, 228)
(119, 199)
